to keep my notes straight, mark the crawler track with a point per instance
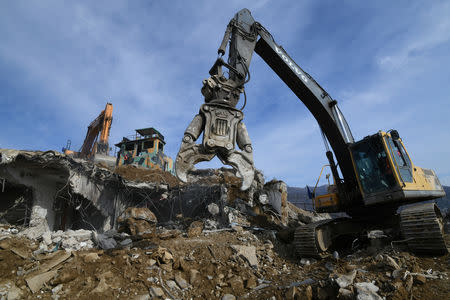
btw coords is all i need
(421, 225)
(306, 241)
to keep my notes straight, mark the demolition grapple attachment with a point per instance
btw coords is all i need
(222, 128)
(219, 120)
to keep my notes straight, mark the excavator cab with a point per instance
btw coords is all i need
(385, 172)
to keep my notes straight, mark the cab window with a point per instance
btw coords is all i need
(372, 165)
(401, 159)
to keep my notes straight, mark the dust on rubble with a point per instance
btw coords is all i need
(240, 262)
(133, 173)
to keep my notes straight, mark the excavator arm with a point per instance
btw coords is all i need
(247, 36)
(244, 36)
(101, 125)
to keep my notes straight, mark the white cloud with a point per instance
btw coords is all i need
(430, 29)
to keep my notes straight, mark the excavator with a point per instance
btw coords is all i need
(95, 148)
(373, 177)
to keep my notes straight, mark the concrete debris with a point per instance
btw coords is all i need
(57, 289)
(213, 209)
(195, 229)
(247, 252)
(142, 297)
(8, 290)
(420, 279)
(138, 213)
(228, 297)
(104, 242)
(263, 199)
(307, 261)
(193, 276)
(345, 294)
(397, 273)
(137, 221)
(36, 282)
(182, 283)
(90, 257)
(172, 284)
(126, 242)
(20, 252)
(391, 262)
(47, 238)
(345, 280)
(367, 291)
(130, 236)
(156, 292)
(307, 281)
(336, 255)
(376, 234)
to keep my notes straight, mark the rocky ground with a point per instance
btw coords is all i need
(151, 237)
(199, 263)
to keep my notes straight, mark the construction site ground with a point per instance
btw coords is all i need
(132, 233)
(208, 266)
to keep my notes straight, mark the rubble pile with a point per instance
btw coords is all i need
(101, 234)
(245, 263)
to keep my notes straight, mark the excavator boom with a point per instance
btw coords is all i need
(97, 136)
(101, 125)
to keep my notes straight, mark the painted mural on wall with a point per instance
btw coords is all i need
(146, 151)
(152, 160)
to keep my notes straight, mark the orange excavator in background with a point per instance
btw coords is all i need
(95, 148)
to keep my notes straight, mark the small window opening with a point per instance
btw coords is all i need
(149, 144)
(129, 147)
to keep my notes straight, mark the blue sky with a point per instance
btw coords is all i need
(386, 62)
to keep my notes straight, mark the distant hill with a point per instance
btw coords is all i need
(299, 197)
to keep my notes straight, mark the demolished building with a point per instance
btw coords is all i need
(49, 191)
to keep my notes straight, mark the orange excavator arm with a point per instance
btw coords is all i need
(101, 125)
(106, 124)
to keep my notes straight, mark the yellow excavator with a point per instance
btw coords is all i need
(377, 175)
(95, 146)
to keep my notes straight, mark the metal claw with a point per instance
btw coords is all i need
(189, 155)
(241, 163)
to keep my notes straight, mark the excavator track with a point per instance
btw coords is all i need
(312, 240)
(422, 227)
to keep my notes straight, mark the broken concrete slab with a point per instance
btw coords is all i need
(104, 242)
(9, 291)
(138, 213)
(195, 229)
(182, 283)
(346, 280)
(248, 253)
(54, 261)
(36, 282)
(156, 292)
(367, 291)
(20, 252)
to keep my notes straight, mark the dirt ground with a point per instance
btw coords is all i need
(210, 268)
(134, 173)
